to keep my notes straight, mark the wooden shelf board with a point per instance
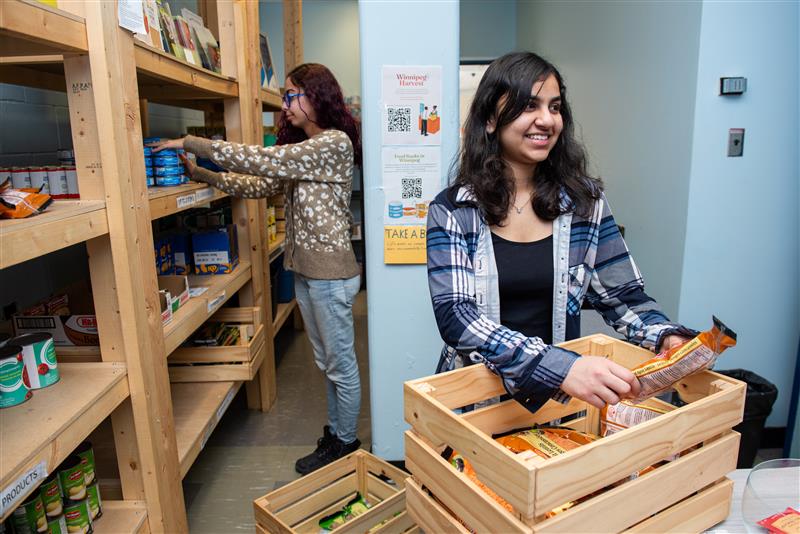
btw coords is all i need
(283, 313)
(197, 408)
(28, 27)
(162, 75)
(58, 418)
(121, 517)
(195, 312)
(271, 101)
(169, 200)
(64, 223)
(275, 249)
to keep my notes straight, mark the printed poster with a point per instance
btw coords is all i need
(412, 105)
(411, 177)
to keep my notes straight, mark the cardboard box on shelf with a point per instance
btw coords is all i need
(216, 251)
(68, 317)
(176, 289)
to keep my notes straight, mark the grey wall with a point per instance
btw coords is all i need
(631, 80)
(488, 28)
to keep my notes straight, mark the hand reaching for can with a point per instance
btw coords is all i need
(188, 163)
(169, 143)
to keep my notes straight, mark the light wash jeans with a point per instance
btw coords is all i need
(327, 309)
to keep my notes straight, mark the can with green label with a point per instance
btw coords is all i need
(86, 453)
(51, 496)
(76, 514)
(95, 503)
(29, 517)
(57, 525)
(13, 387)
(73, 481)
(39, 355)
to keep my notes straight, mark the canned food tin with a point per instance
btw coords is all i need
(72, 181)
(148, 170)
(65, 153)
(171, 170)
(151, 140)
(29, 517)
(184, 178)
(20, 177)
(73, 480)
(148, 151)
(78, 517)
(39, 179)
(39, 356)
(5, 174)
(57, 177)
(151, 181)
(95, 503)
(14, 389)
(50, 491)
(165, 161)
(86, 454)
(57, 525)
(168, 180)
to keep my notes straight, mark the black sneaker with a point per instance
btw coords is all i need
(301, 465)
(338, 449)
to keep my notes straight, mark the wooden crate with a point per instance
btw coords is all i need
(298, 506)
(224, 364)
(534, 486)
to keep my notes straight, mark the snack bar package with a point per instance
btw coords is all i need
(786, 522)
(660, 373)
(625, 414)
(462, 465)
(546, 441)
(354, 508)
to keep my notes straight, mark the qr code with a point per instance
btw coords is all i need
(399, 119)
(412, 187)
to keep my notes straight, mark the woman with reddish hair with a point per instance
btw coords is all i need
(312, 164)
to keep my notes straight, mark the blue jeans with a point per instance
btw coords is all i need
(327, 309)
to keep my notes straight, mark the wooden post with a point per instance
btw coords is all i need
(292, 33)
(132, 322)
(145, 116)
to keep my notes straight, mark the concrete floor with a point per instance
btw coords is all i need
(251, 453)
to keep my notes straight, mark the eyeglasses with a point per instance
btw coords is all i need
(288, 97)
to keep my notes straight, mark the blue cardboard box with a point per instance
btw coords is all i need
(181, 244)
(215, 251)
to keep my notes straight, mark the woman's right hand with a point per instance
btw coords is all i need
(600, 381)
(169, 143)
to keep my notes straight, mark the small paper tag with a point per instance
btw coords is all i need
(204, 194)
(186, 200)
(217, 302)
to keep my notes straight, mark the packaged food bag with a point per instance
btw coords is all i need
(625, 414)
(661, 372)
(21, 203)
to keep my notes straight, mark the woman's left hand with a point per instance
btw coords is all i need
(189, 164)
(169, 143)
(671, 341)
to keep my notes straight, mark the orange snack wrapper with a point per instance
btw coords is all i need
(461, 464)
(625, 414)
(786, 522)
(21, 203)
(660, 373)
(545, 442)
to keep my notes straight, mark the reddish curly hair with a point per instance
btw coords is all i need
(323, 91)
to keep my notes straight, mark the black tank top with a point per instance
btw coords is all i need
(525, 276)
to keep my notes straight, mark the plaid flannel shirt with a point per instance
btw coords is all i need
(591, 262)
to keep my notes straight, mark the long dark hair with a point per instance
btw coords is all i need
(323, 91)
(480, 165)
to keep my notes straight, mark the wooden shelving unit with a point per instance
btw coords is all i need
(283, 313)
(159, 427)
(276, 249)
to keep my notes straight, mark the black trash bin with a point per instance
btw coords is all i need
(761, 395)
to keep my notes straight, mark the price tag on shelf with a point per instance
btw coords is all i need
(216, 302)
(225, 403)
(18, 490)
(186, 201)
(204, 194)
(197, 291)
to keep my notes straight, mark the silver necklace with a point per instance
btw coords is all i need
(518, 209)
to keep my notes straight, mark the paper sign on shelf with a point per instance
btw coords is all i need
(18, 490)
(131, 15)
(185, 201)
(204, 194)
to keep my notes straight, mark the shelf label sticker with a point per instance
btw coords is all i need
(206, 435)
(186, 200)
(17, 491)
(204, 194)
(216, 302)
(225, 403)
(197, 291)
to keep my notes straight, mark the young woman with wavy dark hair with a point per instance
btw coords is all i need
(312, 164)
(522, 237)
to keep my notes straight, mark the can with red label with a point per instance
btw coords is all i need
(57, 177)
(39, 179)
(39, 357)
(5, 174)
(20, 177)
(72, 181)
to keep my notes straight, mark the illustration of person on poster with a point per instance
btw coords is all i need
(412, 97)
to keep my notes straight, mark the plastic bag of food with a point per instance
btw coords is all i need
(545, 441)
(461, 464)
(354, 508)
(660, 373)
(786, 522)
(625, 414)
(21, 203)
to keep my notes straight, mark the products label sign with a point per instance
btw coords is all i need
(18, 490)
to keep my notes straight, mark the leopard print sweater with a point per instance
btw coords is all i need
(316, 176)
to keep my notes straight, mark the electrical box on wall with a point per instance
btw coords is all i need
(732, 86)
(735, 142)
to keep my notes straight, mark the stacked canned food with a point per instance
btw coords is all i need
(67, 501)
(27, 362)
(58, 181)
(163, 168)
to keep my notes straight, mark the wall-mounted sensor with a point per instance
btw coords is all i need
(735, 142)
(732, 86)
